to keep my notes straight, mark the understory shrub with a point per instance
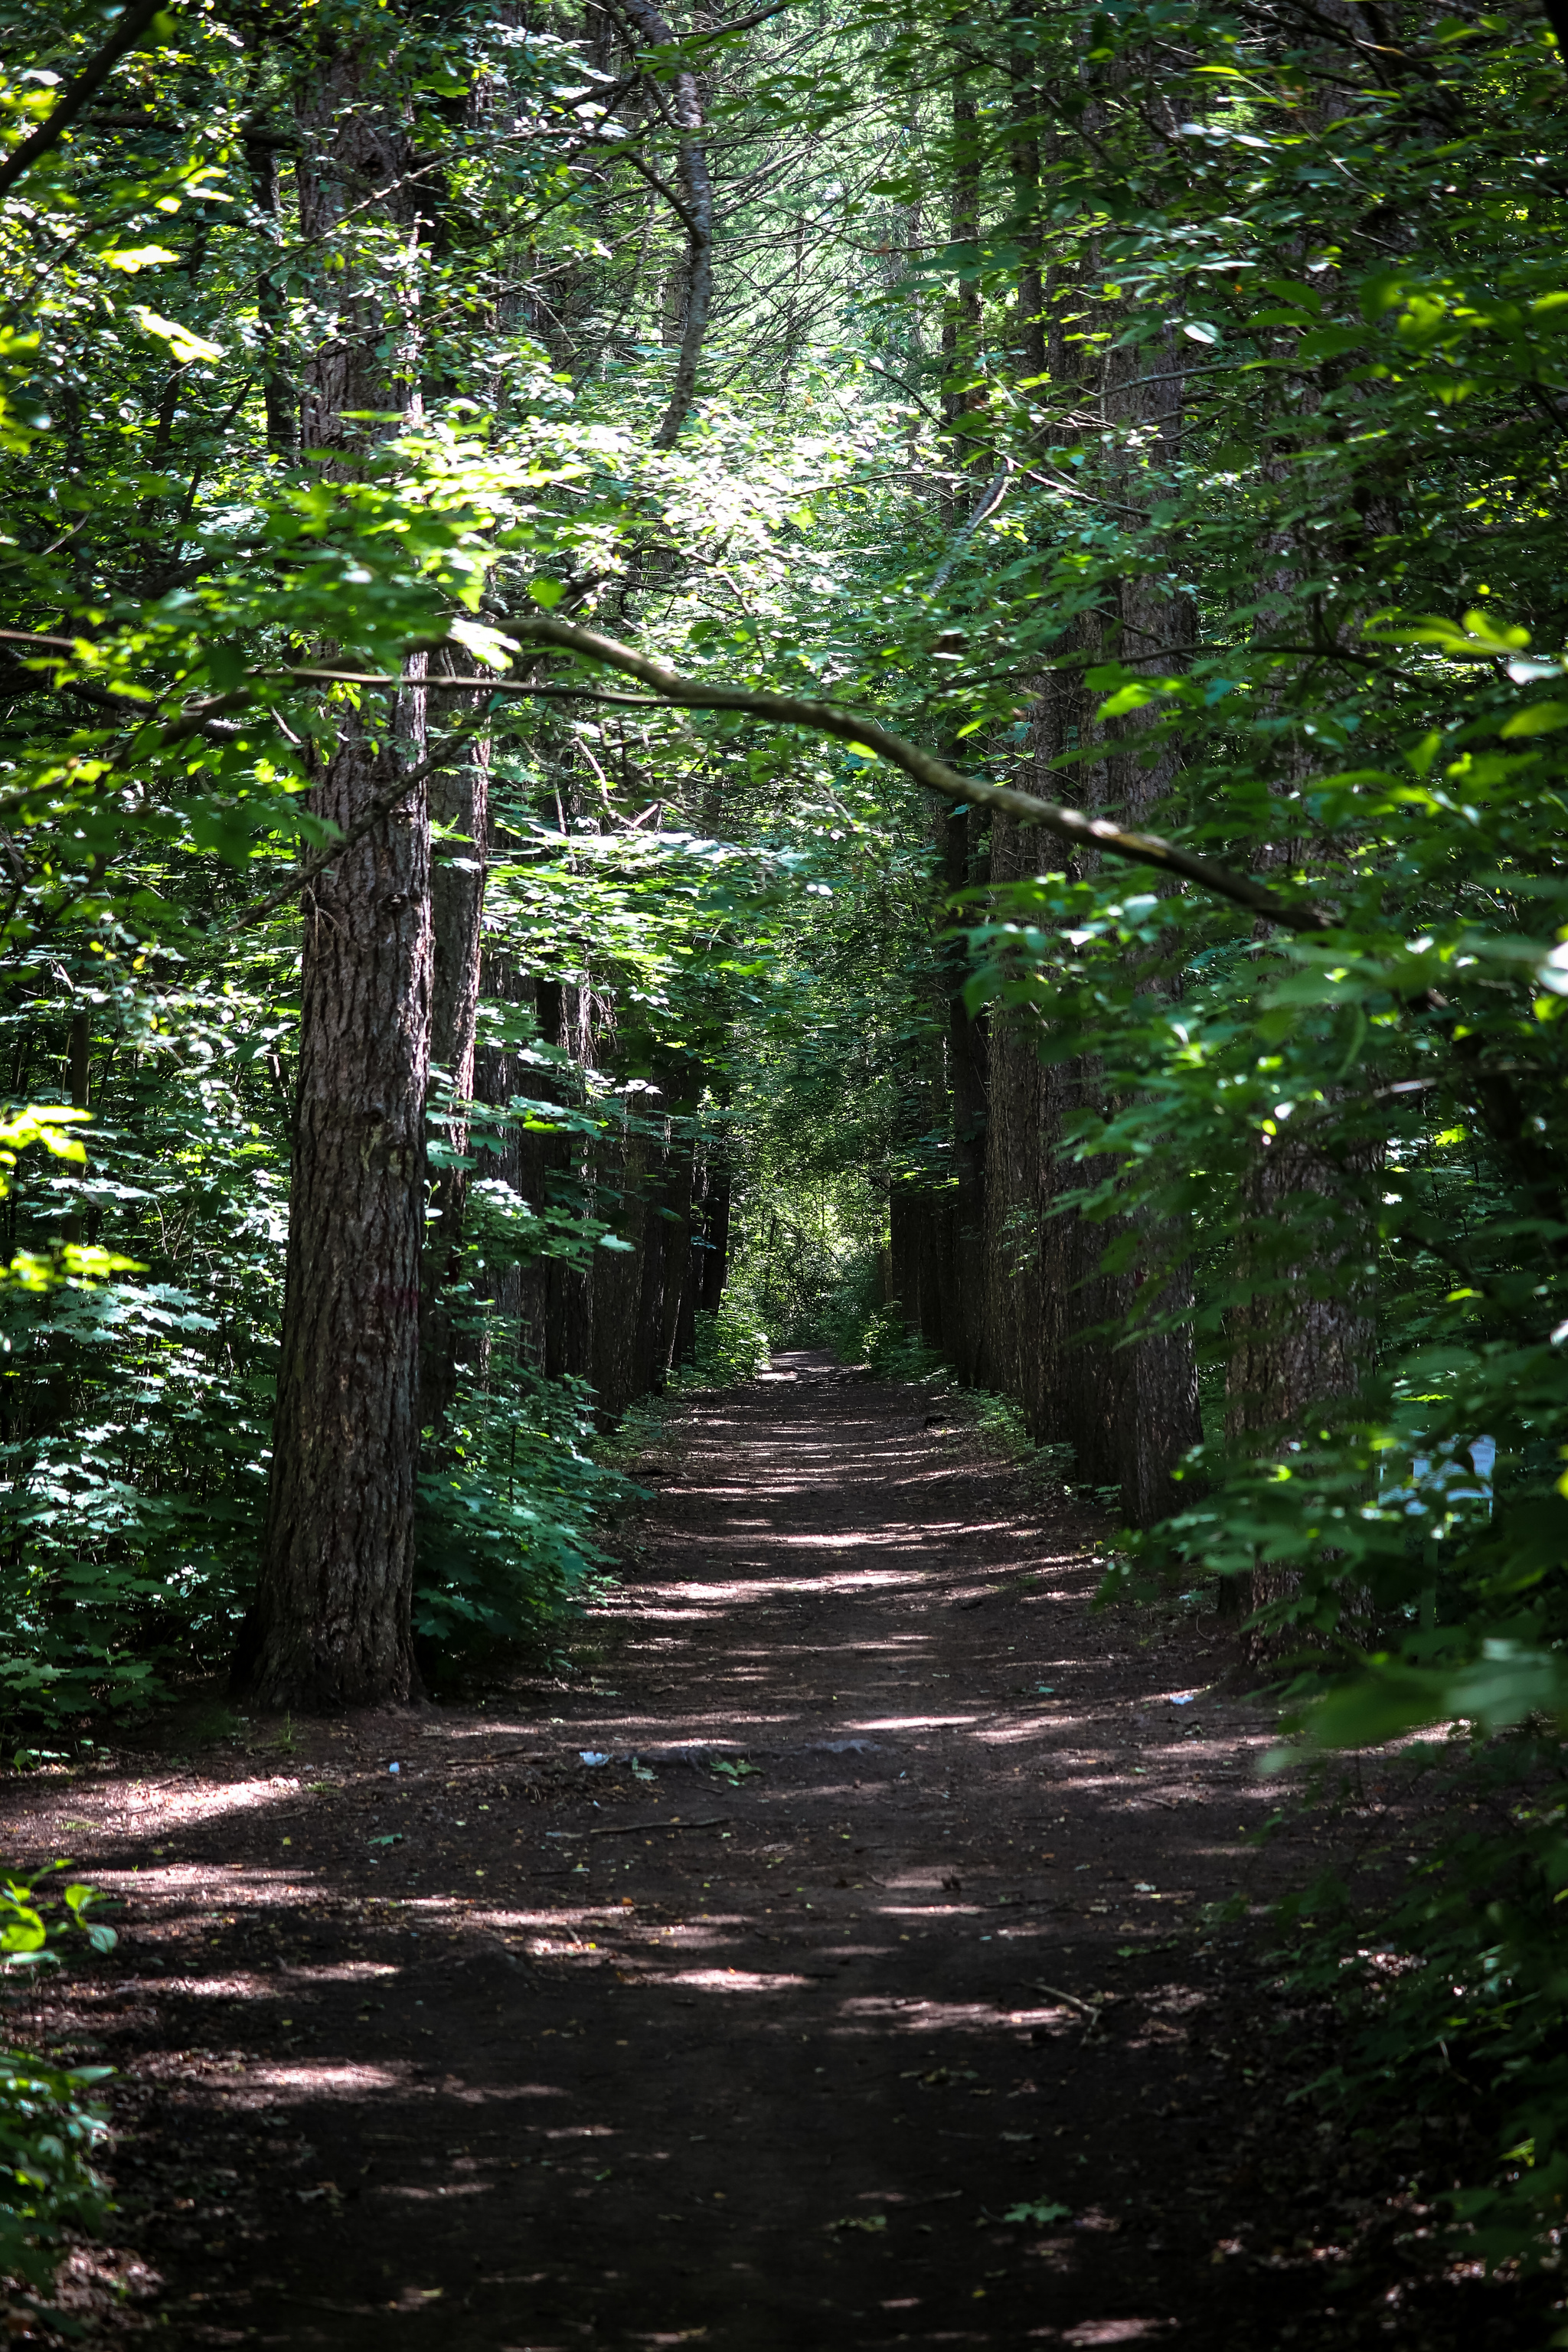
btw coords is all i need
(50, 2126)
(1450, 1998)
(506, 1558)
(853, 1305)
(893, 1350)
(50, 2130)
(731, 1346)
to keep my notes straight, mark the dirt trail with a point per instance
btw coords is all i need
(509, 2052)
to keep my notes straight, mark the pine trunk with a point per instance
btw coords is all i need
(331, 1624)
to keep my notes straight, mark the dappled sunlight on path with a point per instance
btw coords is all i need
(826, 1963)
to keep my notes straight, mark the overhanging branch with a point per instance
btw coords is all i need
(1069, 825)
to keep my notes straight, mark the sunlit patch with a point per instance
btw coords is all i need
(211, 1987)
(326, 2081)
(166, 1808)
(732, 1980)
(1027, 1725)
(1114, 2331)
(210, 1883)
(925, 2016)
(916, 1722)
(438, 2191)
(765, 1592)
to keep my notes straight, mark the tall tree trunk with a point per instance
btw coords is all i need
(1024, 149)
(1130, 1410)
(618, 1279)
(331, 1622)
(280, 393)
(966, 1046)
(716, 1233)
(685, 106)
(962, 316)
(458, 799)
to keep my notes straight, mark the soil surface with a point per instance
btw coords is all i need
(837, 1960)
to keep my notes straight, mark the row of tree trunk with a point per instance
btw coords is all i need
(985, 1261)
(990, 1270)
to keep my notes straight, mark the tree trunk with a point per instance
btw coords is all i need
(331, 1625)
(458, 797)
(280, 394)
(966, 1048)
(331, 1622)
(685, 110)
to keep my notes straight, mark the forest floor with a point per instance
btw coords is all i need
(905, 1917)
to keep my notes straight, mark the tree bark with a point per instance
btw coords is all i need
(458, 798)
(280, 393)
(966, 1049)
(961, 313)
(697, 218)
(331, 1622)
(1023, 152)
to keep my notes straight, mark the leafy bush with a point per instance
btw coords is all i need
(1450, 1999)
(852, 1305)
(1000, 1422)
(505, 1557)
(49, 2132)
(893, 1350)
(731, 1346)
(49, 2127)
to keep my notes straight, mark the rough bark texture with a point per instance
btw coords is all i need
(355, 142)
(618, 1277)
(331, 1624)
(1052, 1323)
(967, 1064)
(716, 1233)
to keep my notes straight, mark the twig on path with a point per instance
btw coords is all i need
(1087, 2008)
(626, 1828)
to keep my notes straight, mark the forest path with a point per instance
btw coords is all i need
(510, 2051)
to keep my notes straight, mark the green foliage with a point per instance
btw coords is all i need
(26, 1934)
(1450, 1998)
(1041, 2212)
(1001, 1423)
(731, 1345)
(892, 1350)
(50, 2130)
(506, 1558)
(50, 2126)
(1271, 559)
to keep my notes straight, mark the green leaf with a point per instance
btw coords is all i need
(1540, 718)
(184, 345)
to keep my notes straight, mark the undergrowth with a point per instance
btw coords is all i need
(51, 2126)
(1450, 1998)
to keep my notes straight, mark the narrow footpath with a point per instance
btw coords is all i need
(838, 1961)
